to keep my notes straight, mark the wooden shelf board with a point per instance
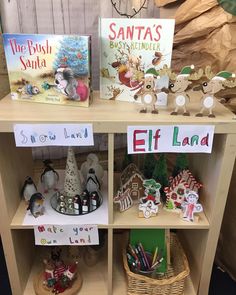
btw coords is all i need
(18, 219)
(164, 219)
(108, 116)
(94, 278)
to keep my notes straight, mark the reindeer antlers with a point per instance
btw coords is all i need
(229, 83)
(208, 72)
(167, 71)
(196, 75)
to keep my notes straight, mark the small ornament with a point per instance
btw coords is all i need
(95, 200)
(191, 206)
(28, 189)
(77, 205)
(36, 205)
(85, 202)
(92, 161)
(178, 188)
(49, 177)
(124, 200)
(62, 207)
(148, 93)
(49, 278)
(92, 183)
(149, 208)
(180, 86)
(70, 206)
(210, 88)
(152, 188)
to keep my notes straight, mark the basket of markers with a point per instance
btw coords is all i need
(142, 270)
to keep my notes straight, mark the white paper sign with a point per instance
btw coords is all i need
(75, 235)
(30, 135)
(170, 139)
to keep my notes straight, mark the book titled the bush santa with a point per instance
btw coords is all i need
(129, 48)
(49, 68)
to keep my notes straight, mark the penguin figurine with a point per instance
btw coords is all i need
(28, 189)
(36, 205)
(92, 184)
(49, 177)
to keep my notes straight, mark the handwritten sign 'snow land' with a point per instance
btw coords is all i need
(75, 235)
(30, 135)
(170, 139)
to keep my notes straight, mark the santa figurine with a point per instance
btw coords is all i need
(66, 279)
(191, 206)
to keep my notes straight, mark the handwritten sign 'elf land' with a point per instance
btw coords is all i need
(171, 139)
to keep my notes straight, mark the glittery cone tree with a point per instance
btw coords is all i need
(72, 184)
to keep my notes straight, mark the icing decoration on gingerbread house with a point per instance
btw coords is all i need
(132, 179)
(179, 187)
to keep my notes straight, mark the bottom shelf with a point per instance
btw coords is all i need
(95, 278)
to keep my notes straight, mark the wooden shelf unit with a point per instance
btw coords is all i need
(198, 239)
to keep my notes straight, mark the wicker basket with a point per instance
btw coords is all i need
(172, 283)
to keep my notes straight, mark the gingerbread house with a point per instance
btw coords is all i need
(132, 178)
(179, 185)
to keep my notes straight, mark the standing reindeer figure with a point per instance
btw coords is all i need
(124, 200)
(179, 87)
(210, 88)
(148, 93)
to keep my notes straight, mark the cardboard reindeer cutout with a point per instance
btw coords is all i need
(179, 87)
(210, 88)
(148, 93)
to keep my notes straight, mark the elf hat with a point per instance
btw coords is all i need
(186, 71)
(223, 75)
(152, 72)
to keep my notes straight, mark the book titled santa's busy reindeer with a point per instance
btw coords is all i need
(129, 49)
(49, 68)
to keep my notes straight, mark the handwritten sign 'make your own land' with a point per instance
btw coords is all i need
(76, 235)
(172, 139)
(30, 135)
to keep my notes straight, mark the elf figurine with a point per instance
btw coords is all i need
(191, 206)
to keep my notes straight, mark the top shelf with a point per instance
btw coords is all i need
(108, 116)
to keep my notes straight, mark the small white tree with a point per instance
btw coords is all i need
(72, 184)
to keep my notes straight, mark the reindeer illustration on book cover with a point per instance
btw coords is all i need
(129, 48)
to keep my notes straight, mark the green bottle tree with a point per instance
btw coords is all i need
(160, 173)
(181, 164)
(149, 165)
(128, 159)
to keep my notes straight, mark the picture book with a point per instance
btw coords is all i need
(49, 68)
(128, 49)
(152, 239)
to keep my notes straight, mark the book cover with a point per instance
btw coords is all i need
(49, 68)
(129, 47)
(152, 239)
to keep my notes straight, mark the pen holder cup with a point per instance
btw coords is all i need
(148, 273)
(170, 283)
